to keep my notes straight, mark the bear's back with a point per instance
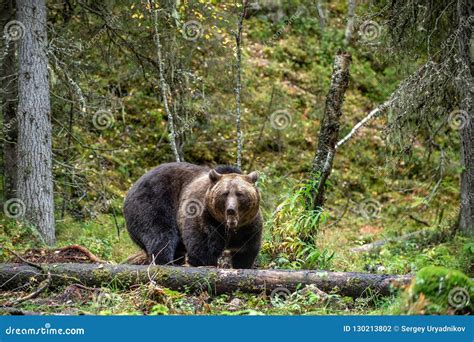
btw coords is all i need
(162, 185)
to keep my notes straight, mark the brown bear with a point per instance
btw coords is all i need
(180, 209)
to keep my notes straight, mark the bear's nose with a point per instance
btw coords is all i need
(230, 211)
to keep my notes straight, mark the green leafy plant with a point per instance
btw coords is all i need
(294, 231)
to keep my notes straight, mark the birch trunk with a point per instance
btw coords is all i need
(321, 15)
(350, 22)
(238, 86)
(164, 90)
(35, 181)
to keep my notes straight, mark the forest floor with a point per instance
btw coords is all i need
(395, 257)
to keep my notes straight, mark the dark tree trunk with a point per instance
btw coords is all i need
(329, 132)
(214, 280)
(35, 181)
(466, 96)
(8, 103)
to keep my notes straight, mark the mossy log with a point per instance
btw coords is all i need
(213, 280)
(425, 235)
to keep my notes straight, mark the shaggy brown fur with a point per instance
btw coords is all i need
(180, 208)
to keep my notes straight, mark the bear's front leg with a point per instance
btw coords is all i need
(244, 258)
(203, 249)
(245, 245)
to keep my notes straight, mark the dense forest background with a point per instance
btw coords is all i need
(399, 175)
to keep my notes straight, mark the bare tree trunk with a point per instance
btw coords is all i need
(329, 131)
(164, 90)
(214, 280)
(321, 15)
(238, 86)
(35, 181)
(350, 22)
(8, 103)
(466, 92)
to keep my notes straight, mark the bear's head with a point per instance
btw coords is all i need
(233, 198)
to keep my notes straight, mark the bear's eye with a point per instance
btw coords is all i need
(225, 193)
(239, 193)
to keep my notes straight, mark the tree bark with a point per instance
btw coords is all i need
(8, 103)
(350, 22)
(35, 181)
(214, 280)
(321, 15)
(329, 132)
(164, 90)
(466, 95)
(238, 81)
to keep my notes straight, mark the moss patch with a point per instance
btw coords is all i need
(438, 290)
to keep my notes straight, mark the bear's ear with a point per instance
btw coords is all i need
(253, 176)
(214, 176)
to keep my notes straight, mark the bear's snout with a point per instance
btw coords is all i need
(231, 209)
(231, 205)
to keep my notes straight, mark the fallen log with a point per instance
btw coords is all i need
(213, 280)
(19, 312)
(425, 235)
